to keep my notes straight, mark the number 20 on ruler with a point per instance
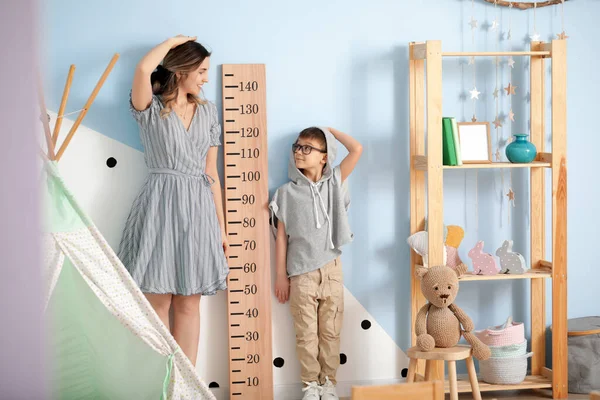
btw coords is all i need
(246, 197)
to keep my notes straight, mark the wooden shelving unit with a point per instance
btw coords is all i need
(426, 190)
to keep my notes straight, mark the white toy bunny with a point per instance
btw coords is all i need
(510, 261)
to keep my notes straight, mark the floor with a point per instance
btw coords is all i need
(520, 395)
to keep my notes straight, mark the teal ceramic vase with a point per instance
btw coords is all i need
(521, 150)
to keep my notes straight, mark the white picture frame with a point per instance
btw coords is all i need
(475, 142)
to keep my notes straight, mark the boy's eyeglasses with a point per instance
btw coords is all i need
(306, 149)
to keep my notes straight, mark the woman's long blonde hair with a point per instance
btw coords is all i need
(182, 59)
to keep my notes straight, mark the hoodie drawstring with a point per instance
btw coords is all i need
(314, 189)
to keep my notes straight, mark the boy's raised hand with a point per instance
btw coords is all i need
(282, 288)
(354, 151)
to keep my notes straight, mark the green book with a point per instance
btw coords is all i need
(456, 142)
(448, 149)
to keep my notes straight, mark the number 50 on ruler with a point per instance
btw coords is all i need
(246, 199)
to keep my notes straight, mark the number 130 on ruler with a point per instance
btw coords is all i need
(247, 217)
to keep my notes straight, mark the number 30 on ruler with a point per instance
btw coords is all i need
(246, 198)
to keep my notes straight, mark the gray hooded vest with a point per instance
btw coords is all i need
(314, 214)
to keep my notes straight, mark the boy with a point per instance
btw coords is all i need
(310, 216)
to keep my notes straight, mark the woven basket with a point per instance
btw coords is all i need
(504, 371)
(509, 333)
(512, 350)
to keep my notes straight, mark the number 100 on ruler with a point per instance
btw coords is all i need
(247, 217)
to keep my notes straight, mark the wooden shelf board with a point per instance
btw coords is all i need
(531, 274)
(537, 273)
(420, 164)
(534, 164)
(493, 53)
(530, 382)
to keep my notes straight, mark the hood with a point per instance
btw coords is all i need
(298, 177)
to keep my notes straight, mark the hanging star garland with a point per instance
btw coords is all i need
(510, 89)
(511, 115)
(495, 25)
(511, 62)
(475, 93)
(563, 34)
(535, 37)
(473, 23)
(509, 34)
(511, 196)
(497, 122)
(496, 91)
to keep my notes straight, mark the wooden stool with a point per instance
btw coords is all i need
(451, 355)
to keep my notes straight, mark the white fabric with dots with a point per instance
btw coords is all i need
(109, 280)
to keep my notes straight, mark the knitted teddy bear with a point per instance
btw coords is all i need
(440, 323)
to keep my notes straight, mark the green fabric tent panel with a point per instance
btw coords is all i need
(93, 356)
(61, 211)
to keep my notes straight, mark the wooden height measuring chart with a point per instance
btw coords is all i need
(247, 217)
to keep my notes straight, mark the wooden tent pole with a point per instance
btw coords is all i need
(87, 106)
(63, 104)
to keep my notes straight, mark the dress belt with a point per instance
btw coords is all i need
(203, 177)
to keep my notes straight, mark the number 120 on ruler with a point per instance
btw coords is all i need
(247, 217)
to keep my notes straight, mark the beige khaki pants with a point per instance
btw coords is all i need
(317, 306)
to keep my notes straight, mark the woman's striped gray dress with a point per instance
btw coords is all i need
(172, 238)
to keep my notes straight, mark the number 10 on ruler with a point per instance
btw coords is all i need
(246, 198)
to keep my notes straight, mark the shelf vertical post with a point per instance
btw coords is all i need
(416, 85)
(538, 211)
(559, 219)
(435, 184)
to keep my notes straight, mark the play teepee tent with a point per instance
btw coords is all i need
(105, 341)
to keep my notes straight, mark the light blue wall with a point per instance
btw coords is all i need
(344, 64)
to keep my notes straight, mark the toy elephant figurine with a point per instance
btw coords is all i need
(510, 261)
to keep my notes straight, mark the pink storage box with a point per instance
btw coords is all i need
(503, 335)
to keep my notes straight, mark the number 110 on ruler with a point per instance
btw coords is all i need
(247, 217)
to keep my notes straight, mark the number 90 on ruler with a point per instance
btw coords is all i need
(247, 219)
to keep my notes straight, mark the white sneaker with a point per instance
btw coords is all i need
(312, 391)
(328, 390)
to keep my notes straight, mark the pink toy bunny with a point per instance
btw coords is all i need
(483, 263)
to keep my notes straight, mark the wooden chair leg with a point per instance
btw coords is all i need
(473, 378)
(428, 371)
(452, 379)
(412, 370)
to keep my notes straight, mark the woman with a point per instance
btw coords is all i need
(174, 241)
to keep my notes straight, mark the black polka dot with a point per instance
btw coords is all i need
(278, 362)
(343, 358)
(213, 385)
(111, 162)
(366, 324)
(404, 372)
